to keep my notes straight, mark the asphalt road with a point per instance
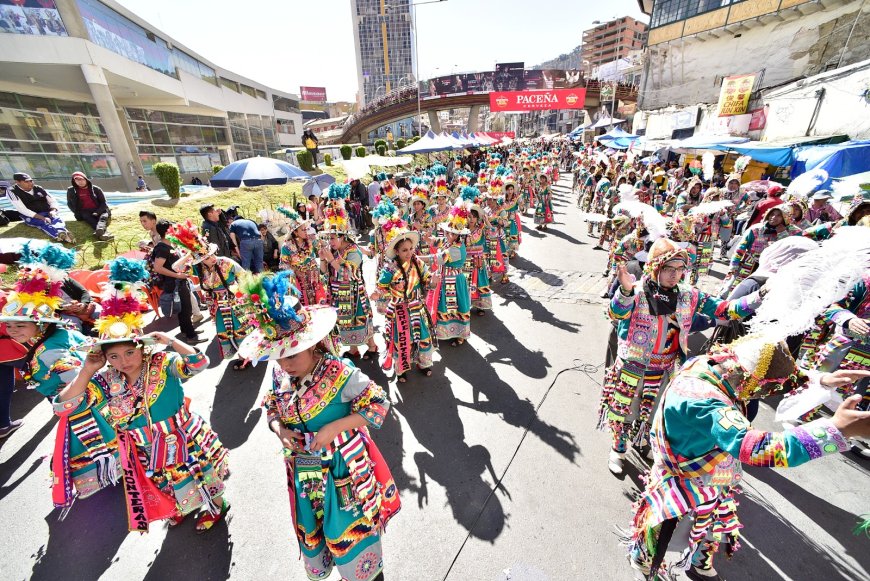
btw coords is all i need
(501, 473)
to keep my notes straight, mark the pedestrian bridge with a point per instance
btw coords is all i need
(402, 103)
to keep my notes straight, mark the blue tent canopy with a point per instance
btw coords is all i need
(839, 160)
(256, 171)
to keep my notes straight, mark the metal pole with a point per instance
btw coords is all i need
(417, 74)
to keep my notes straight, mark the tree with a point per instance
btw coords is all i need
(170, 178)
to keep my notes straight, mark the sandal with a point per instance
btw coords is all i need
(176, 520)
(505, 280)
(457, 342)
(402, 377)
(427, 371)
(480, 312)
(208, 520)
(371, 355)
(240, 364)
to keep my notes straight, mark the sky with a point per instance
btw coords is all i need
(288, 43)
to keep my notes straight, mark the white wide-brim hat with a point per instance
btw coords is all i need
(390, 250)
(256, 347)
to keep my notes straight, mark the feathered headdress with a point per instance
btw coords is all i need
(440, 180)
(293, 219)
(335, 221)
(186, 236)
(482, 175)
(384, 211)
(420, 190)
(457, 221)
(281, 327)
(741, 163)
(338, 191)
(36, 294)
(394, 232)
(123, 299)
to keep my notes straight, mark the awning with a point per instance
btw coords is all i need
(430, 143)
(839, 160)
(606, 122)
(714, 142)
(781, 152)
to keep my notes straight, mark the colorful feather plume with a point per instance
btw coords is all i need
(708, 161)
(124, 269)
(469, 194)
(710, 208)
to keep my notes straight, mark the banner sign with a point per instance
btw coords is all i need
(537, 100)
(734, 96)
(509, 76)
(758, 119)
(313, 94)
(500, 134)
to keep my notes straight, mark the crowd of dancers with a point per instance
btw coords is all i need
(439, 246)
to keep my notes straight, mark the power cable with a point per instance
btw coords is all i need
(585, 368)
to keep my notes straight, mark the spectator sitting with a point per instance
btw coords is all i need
(88, 204)
(196, 181)
(141, 186)
(38, 208)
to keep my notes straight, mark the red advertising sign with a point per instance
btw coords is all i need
(758, 119)
(313, 94)
(537, 100)
(500, 134)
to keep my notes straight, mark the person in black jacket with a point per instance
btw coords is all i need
(214, 227)
(88, 204)
(77, 308)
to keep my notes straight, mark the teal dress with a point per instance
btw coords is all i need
(408, 328)
(79, 469)
(177, 449)
(454, 298)
(349, 297)
(341, 496)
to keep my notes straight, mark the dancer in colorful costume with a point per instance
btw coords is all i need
(299, 254)
(700, 439)
(496, 220)
(403, 283)
(342, 260)
(453, 320)
(654, 317)
(773, 227)
(512, 207)
(172, 461)
(476, 250)
(217, 275)
(85, 450)
(321, 408)
(544, 205)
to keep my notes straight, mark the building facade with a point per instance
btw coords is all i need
(611, 41)
(693, 45)
(85, 85)
(383, 34)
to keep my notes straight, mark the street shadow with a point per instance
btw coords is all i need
(513, 293)
(208, 556)
(236, 411)
(450, 461)
(8, 468)
(83, 545)
(501, 399)
(390, 441)
(769, 531)
(563, 236)
(508, 349)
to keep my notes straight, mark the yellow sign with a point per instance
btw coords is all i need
(734, 97)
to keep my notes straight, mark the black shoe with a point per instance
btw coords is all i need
(6, 431)
(191, 340)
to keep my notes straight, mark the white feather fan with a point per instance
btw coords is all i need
(710, 208)
(803, 185)
(708, 160)
(803, 289)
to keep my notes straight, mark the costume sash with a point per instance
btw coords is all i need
(145, 502)
(62, 493)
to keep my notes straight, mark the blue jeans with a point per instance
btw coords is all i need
(7, 384)
(251, 250)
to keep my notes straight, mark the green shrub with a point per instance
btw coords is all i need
(380, 142)
(216, 168)
(327, 159)
(382, 149)
(400, 143)
(306, 162)
(170, 178)
(346, 151)
(360, 151)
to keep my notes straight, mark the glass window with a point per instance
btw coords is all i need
(248, 90)
(232, 85)
(116, 33)
(31, 17)
(669, 11)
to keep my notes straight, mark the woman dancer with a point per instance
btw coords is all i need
(298, 254)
